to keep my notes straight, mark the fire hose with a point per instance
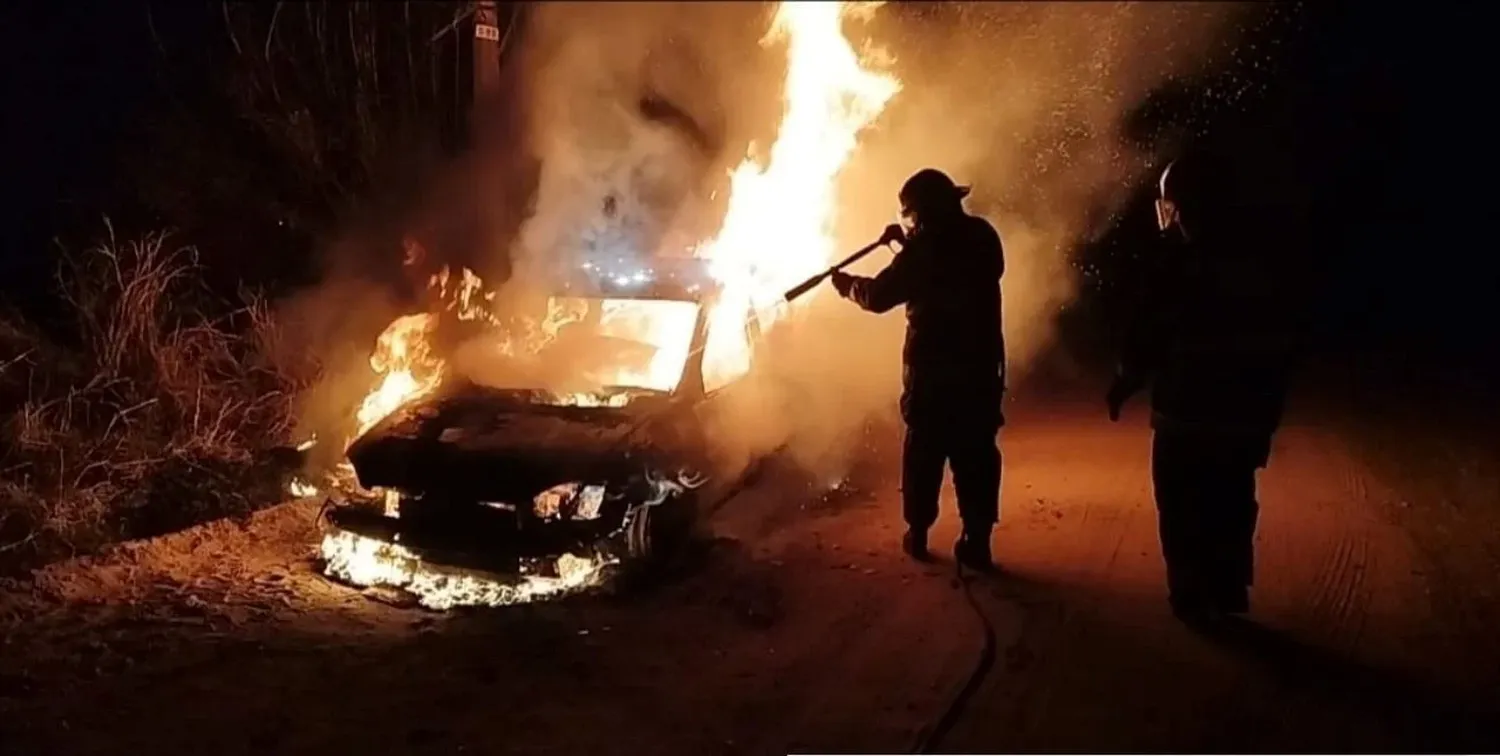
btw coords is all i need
(929, 738)
(812, 283)
(790, 295)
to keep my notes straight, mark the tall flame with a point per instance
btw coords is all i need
(779, 226)
(407, 368)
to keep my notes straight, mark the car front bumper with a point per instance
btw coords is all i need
(368, 550)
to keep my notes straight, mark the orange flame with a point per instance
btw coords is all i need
(779, 227)
(407, 368)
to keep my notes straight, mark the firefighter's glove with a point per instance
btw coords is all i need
(842, 282)
(893, 233)
(1119, 392)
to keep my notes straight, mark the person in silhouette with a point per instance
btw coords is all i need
(1214, 344)
(953, 377)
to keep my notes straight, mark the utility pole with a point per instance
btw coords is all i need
(487, 44)
(495, 129)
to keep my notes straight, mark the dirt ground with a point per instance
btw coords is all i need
(803, 630)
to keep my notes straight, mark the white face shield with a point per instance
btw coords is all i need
(1166, 214)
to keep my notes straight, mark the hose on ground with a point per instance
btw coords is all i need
(929, 738)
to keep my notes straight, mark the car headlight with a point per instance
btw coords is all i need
(575, 500)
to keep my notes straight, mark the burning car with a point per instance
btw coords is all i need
(547, 476)
(586, 459)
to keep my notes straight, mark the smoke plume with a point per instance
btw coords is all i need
(1027, 102)
(637, 111)
(632, 108)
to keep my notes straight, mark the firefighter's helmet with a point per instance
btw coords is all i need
(930, 190)
(1192, 191)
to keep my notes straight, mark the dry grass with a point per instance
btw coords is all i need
(148, 414)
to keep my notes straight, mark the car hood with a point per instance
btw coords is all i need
(472, 448)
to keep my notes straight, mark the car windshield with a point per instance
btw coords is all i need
(593, 351)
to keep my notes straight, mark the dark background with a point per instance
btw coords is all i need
(1379, 105)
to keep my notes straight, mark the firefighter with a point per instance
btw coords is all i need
(953, 377)
(1211, 340)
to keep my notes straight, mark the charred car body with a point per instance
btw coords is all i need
(552, 481)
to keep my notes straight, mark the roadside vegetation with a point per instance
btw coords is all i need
(143, 390)
(147, 408)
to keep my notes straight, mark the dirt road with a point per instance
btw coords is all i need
(801, 631)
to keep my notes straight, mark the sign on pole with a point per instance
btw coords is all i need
(484, 23)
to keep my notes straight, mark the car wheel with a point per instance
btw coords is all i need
(638, 540)
(658, 535)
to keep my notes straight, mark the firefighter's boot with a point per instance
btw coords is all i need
(973, 550)
(914, 543)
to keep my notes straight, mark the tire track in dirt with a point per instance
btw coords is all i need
(1088, 532)
(873, 662)
(889, 677)
(1319, 550)
(1433, 486)
(1323, 561)
(1327, 586)
(845, 596)
(1347, 602)
(905, 638)
(1351, 604)
(1364, 559)
(910, 660)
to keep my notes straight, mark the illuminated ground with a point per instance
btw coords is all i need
(802, 631)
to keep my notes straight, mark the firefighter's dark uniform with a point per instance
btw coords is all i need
(953, 374)
(1214, 341)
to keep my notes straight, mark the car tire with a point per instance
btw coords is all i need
(638, 542)
(656, 537)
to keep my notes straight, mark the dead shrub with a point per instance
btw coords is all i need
(152, 411)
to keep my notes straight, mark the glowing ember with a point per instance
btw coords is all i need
(588, 400)
(778, 229)
(367, 562)
(302, 489)
(548, 504)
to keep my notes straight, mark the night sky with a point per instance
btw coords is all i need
(1387, 103)
(74, 73)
